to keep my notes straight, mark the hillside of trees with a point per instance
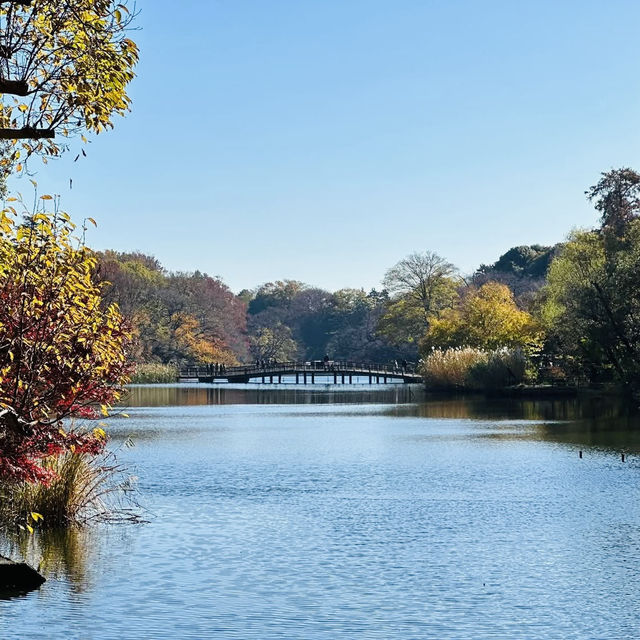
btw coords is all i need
(571, 309)
(193, 317)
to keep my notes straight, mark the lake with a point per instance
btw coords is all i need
(348, 512)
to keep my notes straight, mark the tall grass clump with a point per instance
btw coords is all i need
(501, 368)
(83, 488)
(469, 368)
(154, 373)
(449, 368)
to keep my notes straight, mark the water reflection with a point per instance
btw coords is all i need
(479, 407)
(58, 554)
(445, 517)
(206, 394)
(605, 422)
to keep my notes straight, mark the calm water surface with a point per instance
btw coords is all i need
(350, 514)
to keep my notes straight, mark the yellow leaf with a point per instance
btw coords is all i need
(92, 221)
(46, 197)
(29, 528)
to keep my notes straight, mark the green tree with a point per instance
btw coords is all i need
(273, 343)
(617, 197)
(592, 305)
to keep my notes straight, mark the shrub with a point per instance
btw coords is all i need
(62, 351)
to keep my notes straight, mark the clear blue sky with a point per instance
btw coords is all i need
(324, 140)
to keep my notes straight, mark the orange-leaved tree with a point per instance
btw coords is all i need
(62, 351)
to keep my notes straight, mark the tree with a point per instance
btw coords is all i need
(62, 352)
(274, 343)
(221, 315)
(342, 324)
(422, 286)
(189, 341)
(64, 67)
(526, 261)
(403, 324)
(523, 269)
(617, 198)
(176, 317)
(275, 295)
(485, 318)
(592, 305)
(353, 319)
(424, 278)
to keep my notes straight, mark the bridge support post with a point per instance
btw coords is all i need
(350, 379)
(343, 378)
(262, 379)
(335, 378)
(297, 378)
(271, 379)
(279, 378)
(385, 379)
(304, 377)
(313, 378)
(370, 379)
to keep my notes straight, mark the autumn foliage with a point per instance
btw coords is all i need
(66, 67)
(62, 351)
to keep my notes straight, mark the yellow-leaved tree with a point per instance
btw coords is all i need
(64, 69)
(485, 318)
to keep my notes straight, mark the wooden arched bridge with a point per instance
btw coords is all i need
(302, 372)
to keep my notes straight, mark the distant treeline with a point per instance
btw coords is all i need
(193, 317)
(570, 311)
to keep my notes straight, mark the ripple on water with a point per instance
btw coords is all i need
(339, 522)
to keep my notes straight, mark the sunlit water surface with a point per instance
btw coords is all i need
(334, 513)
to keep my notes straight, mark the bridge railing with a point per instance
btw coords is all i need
(312, 366)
